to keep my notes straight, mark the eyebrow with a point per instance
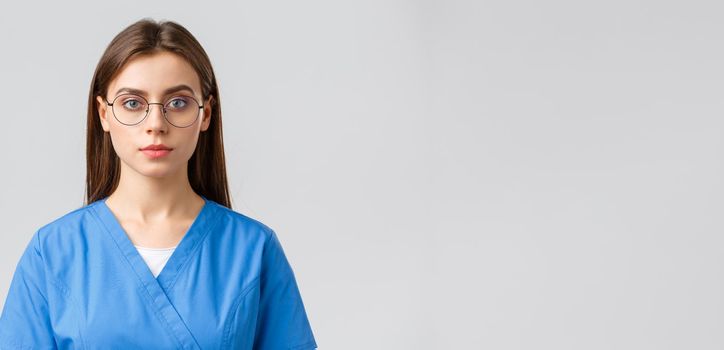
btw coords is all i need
(170, 90)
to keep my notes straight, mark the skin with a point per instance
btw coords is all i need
(154, 201)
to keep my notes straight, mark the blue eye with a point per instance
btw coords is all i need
(131, 104)
(177, 103)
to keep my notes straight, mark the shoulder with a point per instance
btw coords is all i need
(69, 227)
(239, 222)
(239, 231)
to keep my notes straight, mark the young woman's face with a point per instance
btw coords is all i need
(152, 75)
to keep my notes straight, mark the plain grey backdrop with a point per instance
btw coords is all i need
(442, 174)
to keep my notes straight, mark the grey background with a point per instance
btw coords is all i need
(442, 174)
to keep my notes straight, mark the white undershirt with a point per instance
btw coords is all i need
(155, 258)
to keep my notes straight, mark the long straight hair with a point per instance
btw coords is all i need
(206, 167)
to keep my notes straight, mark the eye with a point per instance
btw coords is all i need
(178, 103)
(132, 104)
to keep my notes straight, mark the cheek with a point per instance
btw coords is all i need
(188, 145)
(122, 142)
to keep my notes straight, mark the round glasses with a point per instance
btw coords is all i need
(180, 111)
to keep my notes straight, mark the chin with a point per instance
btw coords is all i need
(158, 170)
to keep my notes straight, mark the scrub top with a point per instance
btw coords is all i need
(81, 284)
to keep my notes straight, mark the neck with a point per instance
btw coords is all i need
(149, 199)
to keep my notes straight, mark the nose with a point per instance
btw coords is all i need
(155, 121)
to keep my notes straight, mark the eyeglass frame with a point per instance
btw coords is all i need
(148, 109)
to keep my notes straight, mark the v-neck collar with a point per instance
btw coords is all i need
(184, 251)
(156, 290)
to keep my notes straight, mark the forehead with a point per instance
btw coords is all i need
(154, 73)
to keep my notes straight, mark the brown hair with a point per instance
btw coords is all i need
(206, 167)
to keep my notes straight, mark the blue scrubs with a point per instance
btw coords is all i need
(81, 284)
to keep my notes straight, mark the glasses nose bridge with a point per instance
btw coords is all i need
(163, 107)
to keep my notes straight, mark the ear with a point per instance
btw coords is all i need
(103, 113)
(207, 113)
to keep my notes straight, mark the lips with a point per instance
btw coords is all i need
(159, 147)
(156, 151)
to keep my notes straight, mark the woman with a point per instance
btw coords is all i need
(156, 258)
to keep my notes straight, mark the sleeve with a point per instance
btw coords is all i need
(24, 322)
(282, 321)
